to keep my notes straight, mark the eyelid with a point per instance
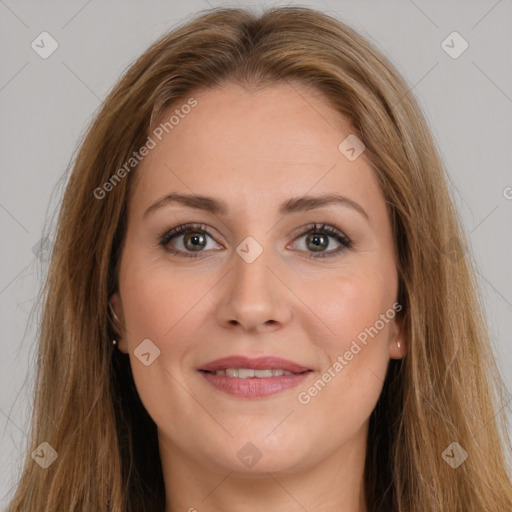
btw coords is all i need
(331, 231)
(182, 229)
(318, 228)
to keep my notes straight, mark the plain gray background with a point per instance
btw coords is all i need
(46, 105)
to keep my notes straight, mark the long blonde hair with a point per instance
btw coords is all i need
(446, 390)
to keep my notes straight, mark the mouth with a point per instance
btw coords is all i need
(252, 364)
(243, 377)
(249, 373)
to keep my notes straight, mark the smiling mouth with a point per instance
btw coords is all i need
(250, 383)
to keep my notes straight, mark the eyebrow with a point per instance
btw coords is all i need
(292, 205)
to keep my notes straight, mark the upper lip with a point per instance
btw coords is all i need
(257, 363)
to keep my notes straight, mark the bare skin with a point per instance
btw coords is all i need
(255, 150)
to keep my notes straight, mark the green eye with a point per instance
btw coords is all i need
(195, 240)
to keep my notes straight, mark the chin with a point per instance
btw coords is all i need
(255, 457)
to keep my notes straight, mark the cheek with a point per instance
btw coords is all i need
(357, 317)
(352, 307)
(164, 307)
(158, 302)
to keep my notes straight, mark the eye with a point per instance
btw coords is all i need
(317, 239)
(193, 238)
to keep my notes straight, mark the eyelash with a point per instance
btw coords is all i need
(323, 229)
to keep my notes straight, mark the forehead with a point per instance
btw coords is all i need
(264, 143)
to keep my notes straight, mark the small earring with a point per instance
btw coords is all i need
(116, 319)
(398, 344)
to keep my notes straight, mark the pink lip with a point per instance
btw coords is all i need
(258, 363)
(254, 387)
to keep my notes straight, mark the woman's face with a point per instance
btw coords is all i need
(257, 277)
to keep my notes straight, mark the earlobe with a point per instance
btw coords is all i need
(397, 349)
(397, 342)
(401, 349)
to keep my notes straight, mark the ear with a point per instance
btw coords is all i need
(398, 343)
(117, 305)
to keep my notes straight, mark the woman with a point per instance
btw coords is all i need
(259, 296)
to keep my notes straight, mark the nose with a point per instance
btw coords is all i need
(253, 296)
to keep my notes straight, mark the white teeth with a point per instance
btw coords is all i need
(262, 373)
(248, 373)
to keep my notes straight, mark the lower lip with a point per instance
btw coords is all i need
(254, 387)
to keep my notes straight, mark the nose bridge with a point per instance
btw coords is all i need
(254, 296)
(251, 275)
